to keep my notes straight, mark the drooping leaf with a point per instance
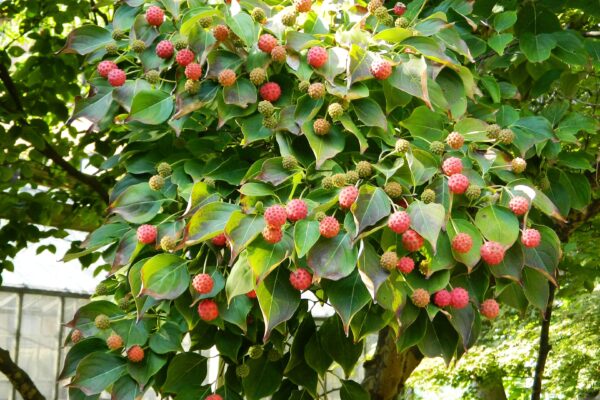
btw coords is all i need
(333, 258)
(165, 276)
(347, 296)
(427, 220)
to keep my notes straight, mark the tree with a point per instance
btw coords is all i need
(433, 75)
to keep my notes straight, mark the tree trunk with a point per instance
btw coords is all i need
(19, 378)
(387, 372)
(536, 390)
(490, 388)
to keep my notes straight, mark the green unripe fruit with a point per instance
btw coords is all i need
(335, 110)
(266, 108)
(389, 260)
(493, 131)
(316, 90)
(364, 169)
(402, 146)
(118, 34)
(339, 180)
(258, 76)
(192, 87)
(352, 177)
(428, 196)
(270, 122)
(111, 48)
(473, 192)
(387, 20)
(205, 22)
(164, 169)
(153, 76)
(181, 44)
(259, 207)
(168, 243)
(273, 355)
(102, 322)
(437, 148)
(258, 14)
(401, 22)
(288, 18)
(327, 183)
(102, 289)
(156, 182)
(138, 46)
(506, 136)
(393, 189)
(242, 371)
(303, 86)
(381, 13)
(210, 182)
(320, 215)
(289, 162)
(124, 303)
(374, 5)
(255, 352)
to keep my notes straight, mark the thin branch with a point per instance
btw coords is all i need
(545, 347)
(18, 378)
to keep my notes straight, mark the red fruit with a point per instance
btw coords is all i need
(458, 183)
(208, 310)
(220, 240)
(116, 77)
(193, 71)
(104, 67)
(272, 234)
(420, 297)
(267, 42)
(184, 57)
(300, 279)
(442, 298)
(215, 396)
(329, 227)
(221, 32)
(381, 69)
(275, 216)
(459, 298)
(147, 234)
(76, 336)
(399, 222)
(296, 210)
(519, 205)
(114, 342)
(399, 9)
(251, 294)
(270, 91)
(302, 5)
(317, 56)
(155, 16)
(492, 253)
(462, 243)
(411, 240)
(135, 354)
(227, 77)
(348, 196)
(452, 166)
(203, 283)
(164, 49)
(531, 238)
(406, 265)
(490, 308)
(455, 140)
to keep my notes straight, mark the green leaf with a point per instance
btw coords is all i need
(326, 146)
(411, 77)
(167, 339)
(347, 296)
(393, 35)
(371, 206)
(244, 27)
(241, 93)
(351, 127)
(137, 204)
(504, 20)
(471, 258)
(537, 48)
(333, 258)
(371, 273)
(338, 345)
(151, 107)
(498, 224)
(427, 220)
(143, 371)
(236, 312)
(426, 124)
(277, 298)
(97, 371)
(228, 344)
(241, 230)
(209, 221)
(369, 112)
(165, 276)
(257, 189)
(536, 288)
(96, 105)
(264, 257)
(440, 339)
(499, 42)
(241, 279)
(467, 323)
(125, 389)
(370, 320)
(316, 356)
(306, 234)
(84, 317)
(512, 264)
(353, 391)
(78, 352)
(263, 380)
(185, 370)
(272, 171)
(190, 20)
(546, 256)
(86, 39)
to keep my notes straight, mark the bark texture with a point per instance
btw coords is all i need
(545, 347)
(19, 378)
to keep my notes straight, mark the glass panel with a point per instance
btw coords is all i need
(71, 306)
(9, 303)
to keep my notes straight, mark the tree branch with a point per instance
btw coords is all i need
(545, 347)
(18, 378)
(48, 150)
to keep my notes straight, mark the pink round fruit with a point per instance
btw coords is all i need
(490, 308)
(155, 16)
(208, 310)
(442, 298)
(296, 210)
(459, 298)
(406, 265)
(193, 71)
(272, 234)
(146, 234)
(184, 57)
(317, 56)
(203, 283)
(300, 279)
(104, 67)
(275, 215)
(329, 227)
(117, 77)
(458, 183)
(531, 238)
(220, 240)
(420, 298)
(381, 69)
(519, 205)
(462, 243)
(267, 42)
(135, 354)
(412, 241)
(492, 253)
(270, 91)
(399, 222)
(348, 196)
(165, 49)
(452, 166)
